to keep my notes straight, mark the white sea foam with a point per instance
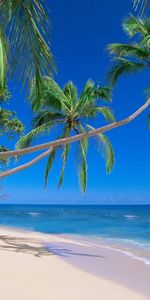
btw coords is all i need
(34, 214)
(128, 252)
(130, 216)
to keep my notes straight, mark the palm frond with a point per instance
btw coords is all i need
(109, 153)
(46, 116)
(103, 92)
(65, 154)
(3, 60)
(90, 94)
(82, 168)
(26, 140)
(128, 50)
(108, 150)
(145, 42)
(49, 166)
(70, 92)
(133, 26)
(52, 95)
(85, 141)
(28, 34)
(105, 111)
(123, 66)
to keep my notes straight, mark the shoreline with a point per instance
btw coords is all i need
(104, 267)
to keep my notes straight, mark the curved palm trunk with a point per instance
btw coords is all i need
(26, 165)
(54, 144)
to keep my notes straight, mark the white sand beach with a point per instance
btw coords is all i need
(29, 271)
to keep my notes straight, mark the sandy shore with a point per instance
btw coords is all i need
(35, 266)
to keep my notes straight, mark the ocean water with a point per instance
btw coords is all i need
(124, 228)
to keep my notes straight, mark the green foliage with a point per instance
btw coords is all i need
(26, 140)
(82, 169)
(51, 97)
(24, 32)
(3, 161)
(10, 125)
(132, 57)
(109, 152)
(3, 59)
(106, 148)
(123, 66)
(49, 166)
(68, 110)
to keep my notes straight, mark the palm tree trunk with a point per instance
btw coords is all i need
(59, 142)
(77, 137)
(26, 165)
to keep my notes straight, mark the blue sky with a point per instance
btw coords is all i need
(80, 32)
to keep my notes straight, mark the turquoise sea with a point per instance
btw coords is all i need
(122, 227)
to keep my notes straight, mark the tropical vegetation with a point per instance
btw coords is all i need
(10, 125)
(24, 48)
(134, 56)
(71, 111)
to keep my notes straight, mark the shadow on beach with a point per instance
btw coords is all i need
(36, 248)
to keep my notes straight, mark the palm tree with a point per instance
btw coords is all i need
(24, 43)
(71, 112)
(135, 56)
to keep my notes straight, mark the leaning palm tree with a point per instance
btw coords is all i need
(71, 113)
(24, 43)
(134, 56)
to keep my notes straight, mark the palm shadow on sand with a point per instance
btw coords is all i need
(36, 248)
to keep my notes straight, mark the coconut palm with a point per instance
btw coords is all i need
(64, 107)
(134, 56)
(24, 42)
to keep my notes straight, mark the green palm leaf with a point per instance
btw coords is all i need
(47, 116)
(65, 154)
(103, 92)
(108, 149)
(85, 141)
(28, 32)
(90, 94)
(105, 111)
(52, 95)
(128, 50)
(82, 169)
(70, 92)
(133, 26)
(49, 166)
(26, 140)
(123, 66)
(109, 152)
(3, 60)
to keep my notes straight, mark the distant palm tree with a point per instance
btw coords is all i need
(71, 112)
(135, 56)
(24, 42)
